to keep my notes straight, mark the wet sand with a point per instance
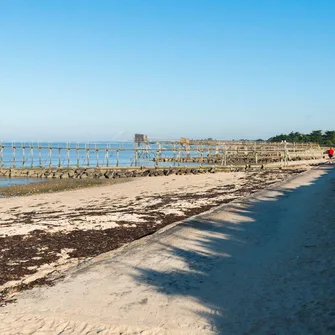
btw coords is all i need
(40, 186)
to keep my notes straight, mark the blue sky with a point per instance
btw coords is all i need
(83, 70)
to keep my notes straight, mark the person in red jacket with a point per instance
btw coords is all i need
(331, 153)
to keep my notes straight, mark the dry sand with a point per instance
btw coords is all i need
(44, 233)
(260, 265)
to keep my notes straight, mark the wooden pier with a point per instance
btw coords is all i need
(163, 153)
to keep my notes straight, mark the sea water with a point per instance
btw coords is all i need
(85, 154)
(17, 181)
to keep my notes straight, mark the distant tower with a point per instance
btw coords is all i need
(141, 149)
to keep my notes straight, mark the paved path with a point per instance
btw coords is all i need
(264, 265)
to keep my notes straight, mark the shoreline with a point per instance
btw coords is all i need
(92, 177)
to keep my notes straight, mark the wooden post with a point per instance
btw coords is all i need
(97, 155)
(23, 156)
(59, 162)
(117, 158)
(14, 155)
(68, 155)
(77, 154)
(88, 156)
(50, 156)
(32, 154)
(39, 155)
(107, 156)
(158, 154)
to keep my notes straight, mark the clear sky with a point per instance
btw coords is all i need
(84, 70)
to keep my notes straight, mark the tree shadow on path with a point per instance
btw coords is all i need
(248, 265)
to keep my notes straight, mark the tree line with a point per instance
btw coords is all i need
(326, 138)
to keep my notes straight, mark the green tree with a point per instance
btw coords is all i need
(316, 136)
(329, 137)
(326, 138)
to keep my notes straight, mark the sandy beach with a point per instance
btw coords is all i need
(46, 233)
(259, 262)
